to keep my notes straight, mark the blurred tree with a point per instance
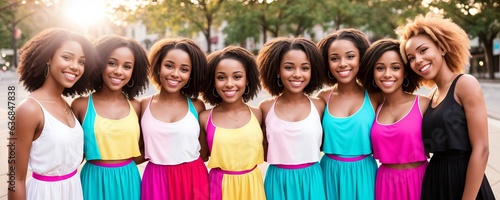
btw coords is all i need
(382, 17)
(342, 14)
(184, 16)
(242, 21)
(480, 18)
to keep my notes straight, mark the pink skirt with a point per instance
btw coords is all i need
(183, 181)
(396, 184)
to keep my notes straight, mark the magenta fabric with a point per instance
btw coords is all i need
(215, 178)
(101, 164)
(210, 131)
(183, 181)
(397, 184)
(348, 159)
(299, 166)
(53, 178)
(399, 142)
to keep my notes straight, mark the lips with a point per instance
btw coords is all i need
(388, 83)
(173, 83)
(115, 80)
(230, 93)
(296, 83)
(70, 76)
(425, 68)
(344, 73)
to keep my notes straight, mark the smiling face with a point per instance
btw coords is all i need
(67, 64)
(175, 70)
(389, 72)
(424, 56)
(230, 80)
(343, 60)
(119, 68)
(295, 71)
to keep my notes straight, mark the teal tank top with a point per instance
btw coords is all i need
(348, 136)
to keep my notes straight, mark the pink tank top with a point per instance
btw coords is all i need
(400, 142)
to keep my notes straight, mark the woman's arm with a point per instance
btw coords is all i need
(471, 97)
(28, 123)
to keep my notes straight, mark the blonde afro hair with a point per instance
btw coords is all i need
(447, 35)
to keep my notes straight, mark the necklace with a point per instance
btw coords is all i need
(238, 119)
(64, 108)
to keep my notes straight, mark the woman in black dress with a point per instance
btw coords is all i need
(454, 127)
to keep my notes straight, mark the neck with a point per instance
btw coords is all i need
(444, 76)
(106, 93)
(350, 88)
(292, 97)
(396, 97)
(235, 106)
(166, 97)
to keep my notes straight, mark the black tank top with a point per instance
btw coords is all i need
(444, 127)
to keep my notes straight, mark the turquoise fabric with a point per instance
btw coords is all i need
(349, 136)
(294, 184)
(90, 147)
(105, 183)
(349, 180)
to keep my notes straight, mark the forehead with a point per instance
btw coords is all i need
(342, 46)
(229, 66)
(390, 57)
(122, 53)
(294, 54)
(178, 54)
(71, 46)
(416, 41)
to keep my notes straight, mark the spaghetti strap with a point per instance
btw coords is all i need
(329, 96)
(210, 130)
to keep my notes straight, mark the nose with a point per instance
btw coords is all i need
(118, 70)
(418, 59)
(74, 66)
(296, 73)
(387, 73)
(342, 63)
(229, 83)
(175, 73)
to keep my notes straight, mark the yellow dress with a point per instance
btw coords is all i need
(235, 154)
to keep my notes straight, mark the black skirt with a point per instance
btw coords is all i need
(445, 178)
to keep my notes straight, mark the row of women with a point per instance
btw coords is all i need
(368, 113)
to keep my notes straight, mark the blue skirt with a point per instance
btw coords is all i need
(345, 180)
(111, 182)
(305, 183)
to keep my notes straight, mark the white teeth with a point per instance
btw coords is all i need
(230, 93)
(116, 80)
(425, 68)
(296, 83)
(344, 73)
(172, 82)
(388, 83)
(71, 76)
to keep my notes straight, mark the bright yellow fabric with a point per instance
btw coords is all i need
(247, 186)
(118, 139)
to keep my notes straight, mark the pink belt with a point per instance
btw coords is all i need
(101, 164)
(344, 159)
(52, 178)
(215, 178)
(299, 166)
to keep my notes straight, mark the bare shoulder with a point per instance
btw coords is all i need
(467, 83)
(257, 112)
(136, 104)
(29, 107)
(203, 116)
(318, 103)
(423, 102)
(266, 104)
(144, 101)
(324, 93)
(198, 104)
(79, 104)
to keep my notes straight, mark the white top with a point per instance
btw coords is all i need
(59, 148)
(171, 143)
(292, 143)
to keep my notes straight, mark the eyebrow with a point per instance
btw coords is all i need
(183, 64)
(351, 51)
(418, 47)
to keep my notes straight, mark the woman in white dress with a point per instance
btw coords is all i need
(47, 139)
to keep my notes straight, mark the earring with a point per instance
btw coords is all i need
(328, 74)
(443, 54)
(46, 71)
(373, 83)
(247, 89)
(214, 92)
(278, 80)
(187, 84)
(129, 82)
(407, 82)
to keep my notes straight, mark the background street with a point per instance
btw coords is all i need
(491, 91)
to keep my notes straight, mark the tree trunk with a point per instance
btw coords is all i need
(488, 57)
(14, 46)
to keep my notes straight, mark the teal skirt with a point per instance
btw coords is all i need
(301, 184)
(346, 180)
(104, 182)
